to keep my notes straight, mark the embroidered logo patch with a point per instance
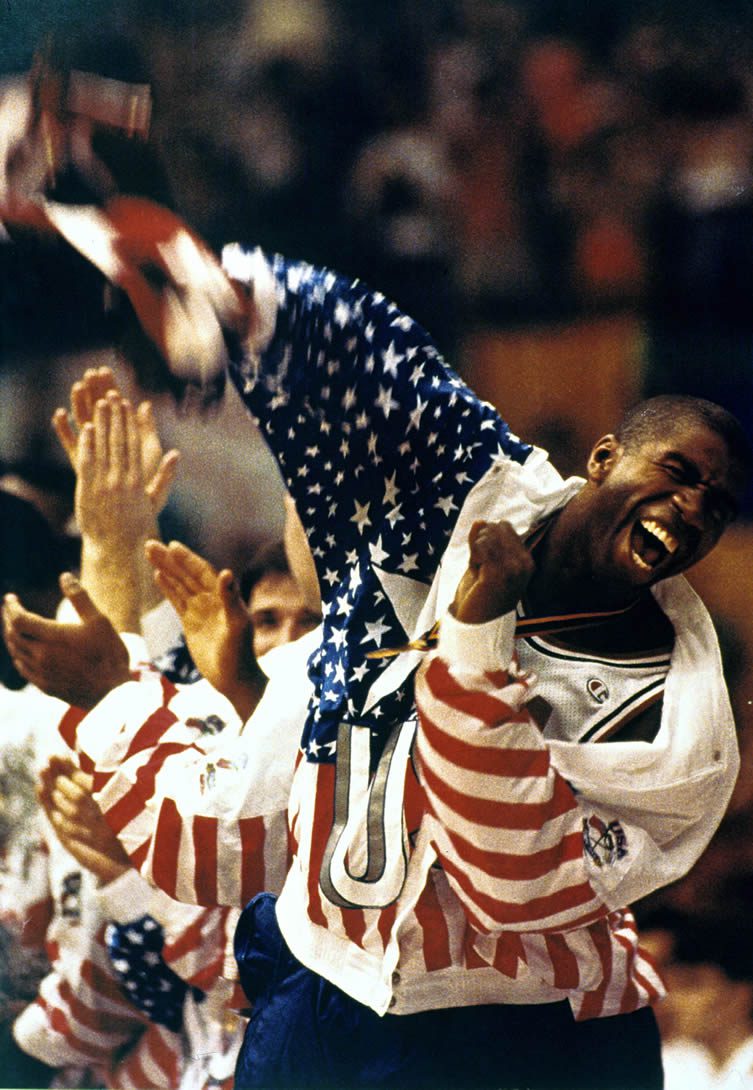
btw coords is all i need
(605, 844)
(211, 725)
(597, 689)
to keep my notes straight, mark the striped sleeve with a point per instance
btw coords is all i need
(507, 827)
(79, 1016)
(193, 804)
(156, 1061)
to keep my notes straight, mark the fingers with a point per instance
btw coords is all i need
(146, 422)
(230, 592)
(159, 486)
(21, 625)
(484, 542)
(65, 789)
(117, 441)
(180, 574)
(74, 812)
(84, 780)
(78, 597)
(62, 425)
(95, 384)
(123, 438)
(182, 566)
(18, 640)
(498, 571)
(173, 590)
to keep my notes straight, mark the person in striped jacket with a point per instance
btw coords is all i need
(455, 911)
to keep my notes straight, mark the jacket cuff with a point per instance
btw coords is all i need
(478, 648)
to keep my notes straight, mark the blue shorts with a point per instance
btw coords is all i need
(306, 1033)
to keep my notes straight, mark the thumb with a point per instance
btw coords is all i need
(230, 591)
(78, 597)
(158, 488)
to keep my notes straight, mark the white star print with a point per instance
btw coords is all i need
(417, 374)
(343, 605)
(414, 417)
(391, 359)
(361, 516)
(375, 630)
(386, 402)
(359, 672)
(377, 552)
(409, 563)
(390, 489)
(446, 504)
(394, 515)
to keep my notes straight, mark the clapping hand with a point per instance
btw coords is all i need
(65, 795)
(79, 663)
(215, 621)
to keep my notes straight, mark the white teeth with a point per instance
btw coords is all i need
(641, 562)
(669, 542)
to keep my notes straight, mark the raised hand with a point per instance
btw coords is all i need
(498, 572)
(215, 621)
(122, 480)
(79, 663)
(158, 467)
(65, 794)
(113, 496)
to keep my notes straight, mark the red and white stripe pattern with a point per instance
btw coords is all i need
(592, 958)
(506, 825)
(496, 884)
(509, 834)
(81, 1018)
(179, 797)
(156, 1061)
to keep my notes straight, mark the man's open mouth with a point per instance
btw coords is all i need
(651, 544)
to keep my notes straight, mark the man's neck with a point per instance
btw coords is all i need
(563, 581)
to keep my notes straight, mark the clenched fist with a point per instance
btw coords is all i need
(498, 572)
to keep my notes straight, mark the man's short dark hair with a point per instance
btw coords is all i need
(662, 414)
(269, 558)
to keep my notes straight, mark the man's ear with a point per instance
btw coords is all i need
(603, 458)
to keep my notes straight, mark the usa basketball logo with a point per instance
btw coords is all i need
(598, 690)
(604, 843)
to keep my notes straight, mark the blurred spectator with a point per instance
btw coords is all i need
(706, 1020)
(701, 238)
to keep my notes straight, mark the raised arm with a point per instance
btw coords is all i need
(122, 481)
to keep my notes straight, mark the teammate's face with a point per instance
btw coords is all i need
(278, 612)
(661, 507)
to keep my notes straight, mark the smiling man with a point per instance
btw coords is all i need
(657, 498)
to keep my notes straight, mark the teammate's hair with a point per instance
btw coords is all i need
(662, 414)
(270, 558)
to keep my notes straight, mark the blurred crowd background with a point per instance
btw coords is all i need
(560, 190)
